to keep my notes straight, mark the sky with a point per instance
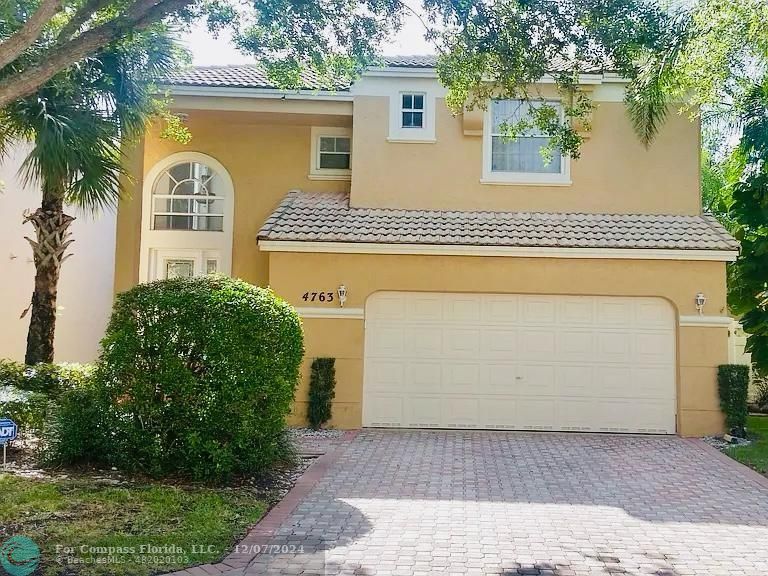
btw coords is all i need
(209, 51)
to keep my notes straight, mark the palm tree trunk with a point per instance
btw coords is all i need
(52, 239)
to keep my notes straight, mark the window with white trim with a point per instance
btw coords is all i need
(184, 198)
(334, 153)
(412, 109)
(331, 154)
(519, 159)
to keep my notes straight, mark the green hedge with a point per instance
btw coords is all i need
(733, 386)
(196, 378)
(50, 379)
(322, 390)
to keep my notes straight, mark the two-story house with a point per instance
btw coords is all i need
(458, 278)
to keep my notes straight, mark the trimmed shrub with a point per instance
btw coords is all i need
(196, 378)
(733, 386)
(75, 431)
(50, 379)
(322, 390)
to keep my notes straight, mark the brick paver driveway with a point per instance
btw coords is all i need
(433, 502)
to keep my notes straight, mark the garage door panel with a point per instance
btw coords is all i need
(500, 309)
(538, 311)
(424, 411)
(461, 412)
(385, 341)
(424, 342)
(387, 306)
(536, 413)
(520, 362)
(573, 344)
(499, 344)
(424, 307)
(657, 347)
(574, 380)
(535, 380)
(460, 308)
(576, 312)
(425, 376)
(536, 344)
(498, 412)
(653, 382)
(386, 375)
(461, 378)
(384, 409)
(461, 343)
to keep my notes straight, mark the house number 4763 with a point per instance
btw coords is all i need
(317, 297)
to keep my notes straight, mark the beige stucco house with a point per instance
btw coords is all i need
(459, 280)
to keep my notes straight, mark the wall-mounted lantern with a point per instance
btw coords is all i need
(700, 301)
(342, 295)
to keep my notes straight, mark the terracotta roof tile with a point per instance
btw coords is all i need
(327, 217)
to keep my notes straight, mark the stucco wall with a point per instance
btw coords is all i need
(700, 349)
(615, 174)
(265, 159)
(85, 288)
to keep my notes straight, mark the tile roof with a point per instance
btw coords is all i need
(327, 217)
(255, 75)
(243, 76)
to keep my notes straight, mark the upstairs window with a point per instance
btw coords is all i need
(334, 153)
(520, 159)
(185, 198)
(331, 153)
(412, 110)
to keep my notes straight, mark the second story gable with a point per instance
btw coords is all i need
(391, 142)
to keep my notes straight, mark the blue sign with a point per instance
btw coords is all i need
(8, 430)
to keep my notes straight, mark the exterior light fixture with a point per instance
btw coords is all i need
(700, 301)
(342, 295)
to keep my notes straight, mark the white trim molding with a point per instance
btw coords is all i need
(706, 321)
(520, 252)
(317, 312)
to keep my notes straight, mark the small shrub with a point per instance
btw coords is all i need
(733, 386)
(75, 431)
(50, 379)
(196, 378)
(322, 390)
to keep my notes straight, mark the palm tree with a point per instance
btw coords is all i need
(77, 125)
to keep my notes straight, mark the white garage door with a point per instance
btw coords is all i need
(519, 362)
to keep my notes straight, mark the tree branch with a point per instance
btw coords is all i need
(141, 15)
(23, 38)
(81, 17)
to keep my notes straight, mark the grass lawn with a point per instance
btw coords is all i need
(71, 519)
(756, 454)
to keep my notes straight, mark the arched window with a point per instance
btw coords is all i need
(186, 196)
(187, 217)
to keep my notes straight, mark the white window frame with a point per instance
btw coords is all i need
(317, 173)
(196, 215)
(185, 244)
(422, 110)
(489, 176)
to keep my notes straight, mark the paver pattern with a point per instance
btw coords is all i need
(433, 502)
(411, 503)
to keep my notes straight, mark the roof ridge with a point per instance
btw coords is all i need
(715, 225)
(285, 203)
